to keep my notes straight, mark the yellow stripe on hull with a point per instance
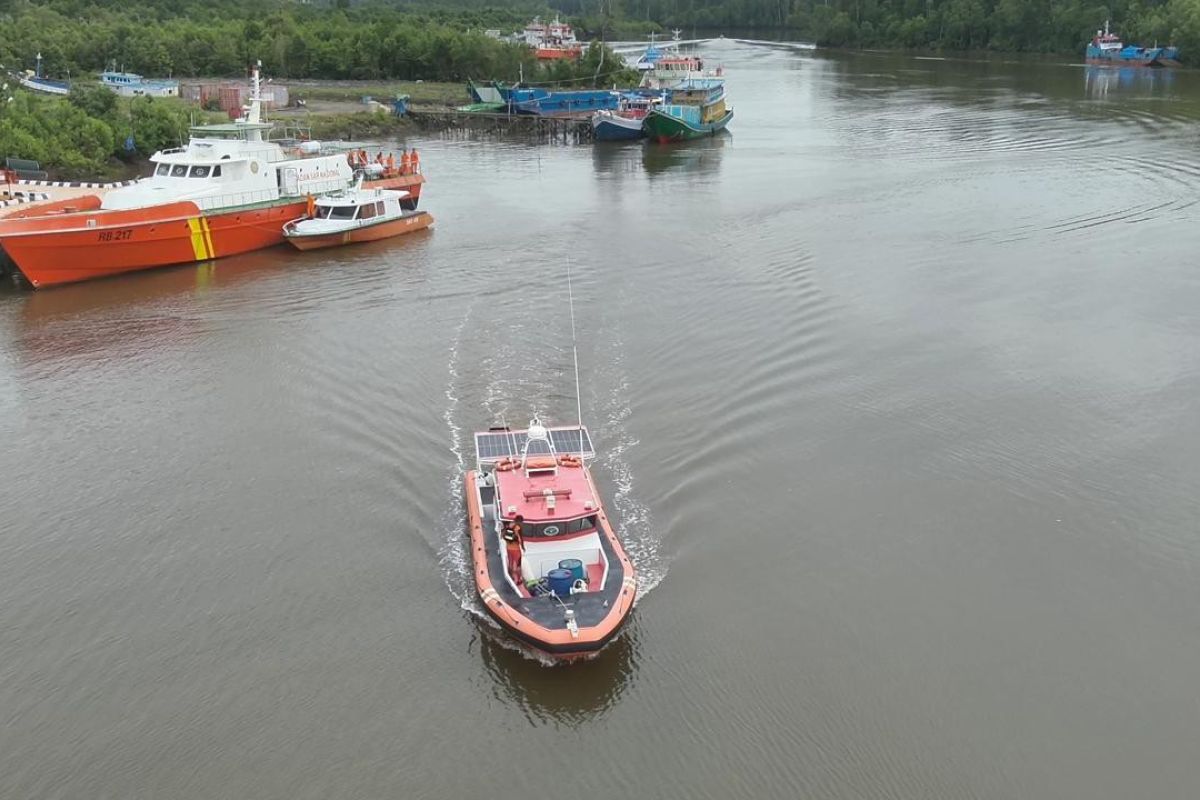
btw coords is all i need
(199, 245)
(212, 251)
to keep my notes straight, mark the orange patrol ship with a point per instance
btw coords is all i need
(230, 190)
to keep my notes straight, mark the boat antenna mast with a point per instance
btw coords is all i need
(575, 357)
(253, 111)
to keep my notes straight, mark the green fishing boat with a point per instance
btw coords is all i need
(697, 108)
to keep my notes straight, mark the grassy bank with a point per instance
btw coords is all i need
(432, 93)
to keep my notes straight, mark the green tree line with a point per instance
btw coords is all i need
(1059, 26)
(82, 135)
(444, 39)
(194, 38)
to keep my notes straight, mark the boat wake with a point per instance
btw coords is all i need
(634, 525)
(780, 45)
(506, 370)
(453, 556)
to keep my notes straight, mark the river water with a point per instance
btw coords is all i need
(895, 391)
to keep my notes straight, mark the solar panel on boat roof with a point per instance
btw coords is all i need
(493, 445)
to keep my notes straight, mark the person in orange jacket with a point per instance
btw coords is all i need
(514, 545)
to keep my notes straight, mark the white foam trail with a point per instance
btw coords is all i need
(454, 558)
(636, 530)
(788, 45)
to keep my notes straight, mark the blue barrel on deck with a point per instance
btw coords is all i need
(560, 581)
(576, 567)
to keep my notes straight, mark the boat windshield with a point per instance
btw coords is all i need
(335, 212)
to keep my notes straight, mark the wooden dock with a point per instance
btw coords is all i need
(566, 129)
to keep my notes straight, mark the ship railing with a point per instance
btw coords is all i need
(236, 199)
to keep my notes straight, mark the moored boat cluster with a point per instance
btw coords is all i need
(678, 99)
(232, 189)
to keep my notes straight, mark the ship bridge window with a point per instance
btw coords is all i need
(216, 173)
(163, 169)
(367, 211)
(322, 212)
(341, 212)
(199, 172)
(179, 171)
(576, 525)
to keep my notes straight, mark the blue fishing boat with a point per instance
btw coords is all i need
(1107, 48)
(625, 122)
(130, 84)
(39, 83)
(492, 92)
(542, 102)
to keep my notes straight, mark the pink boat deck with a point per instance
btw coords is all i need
(570, 488)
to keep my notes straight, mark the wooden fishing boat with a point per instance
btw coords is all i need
(360, 215)
(697, 108)
(624, 123)
(575, 586)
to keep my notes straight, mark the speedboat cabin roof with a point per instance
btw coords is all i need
(537, 472)
(541, 490)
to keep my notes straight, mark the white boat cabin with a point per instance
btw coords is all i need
(235, 164)
(338, 212)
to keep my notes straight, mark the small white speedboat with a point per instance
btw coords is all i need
(357, 215)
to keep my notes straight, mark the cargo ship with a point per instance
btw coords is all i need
(1107, 48)
(229, 191)
(572, 586)
(552, 41)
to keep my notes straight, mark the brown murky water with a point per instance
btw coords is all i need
(895, 389)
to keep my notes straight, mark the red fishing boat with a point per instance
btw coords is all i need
(572, 586)
(230, 190)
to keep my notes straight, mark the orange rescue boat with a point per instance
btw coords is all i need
(572, 586)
